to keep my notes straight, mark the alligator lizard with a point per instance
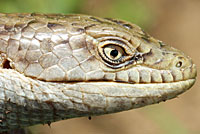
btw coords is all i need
(55, 67)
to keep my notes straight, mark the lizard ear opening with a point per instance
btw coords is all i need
(6, 64)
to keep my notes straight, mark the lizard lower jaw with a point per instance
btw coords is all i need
(121, 96)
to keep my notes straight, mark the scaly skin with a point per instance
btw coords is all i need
(55, 67)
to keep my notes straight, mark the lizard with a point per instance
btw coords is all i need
(55, 67)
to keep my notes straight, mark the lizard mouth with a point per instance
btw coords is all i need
(100, 97)
(123, 96)
(137, 90)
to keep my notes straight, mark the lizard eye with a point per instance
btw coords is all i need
(113, 52)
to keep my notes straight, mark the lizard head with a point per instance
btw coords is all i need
(136, 57)
(154, 71)
(113, 64)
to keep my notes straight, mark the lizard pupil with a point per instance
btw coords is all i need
(114, 53)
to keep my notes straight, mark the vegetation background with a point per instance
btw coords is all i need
(176, 22)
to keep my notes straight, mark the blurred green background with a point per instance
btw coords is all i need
(124, 9)
(176, 22)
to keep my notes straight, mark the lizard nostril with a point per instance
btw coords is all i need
(6, 64)
(179, 64)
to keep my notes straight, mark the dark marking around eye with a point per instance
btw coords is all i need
(114, 53)
(137, 57)
(133, 59)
